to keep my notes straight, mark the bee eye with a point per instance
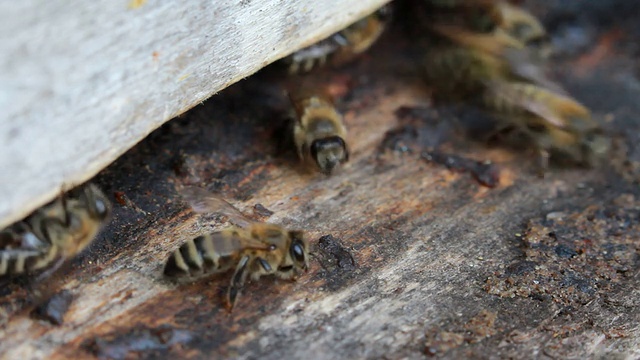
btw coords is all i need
(297, 252)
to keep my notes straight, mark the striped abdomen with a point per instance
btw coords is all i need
(199, 256)
(21, 261)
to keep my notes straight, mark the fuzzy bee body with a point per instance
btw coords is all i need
(342, 46)
(501, 69)
(459, 73)
(554, 122)
(520, 24)
(254, 249)
(319, 133)
(56, 232)
(517, 98)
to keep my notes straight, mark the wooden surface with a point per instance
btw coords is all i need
(81, 82)
(409, 258)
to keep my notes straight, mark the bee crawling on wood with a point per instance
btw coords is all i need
(342, 46)
(501, 68)
(522, 25)
(319, 132)
(56, 232)
(253, 248)
(554, 122)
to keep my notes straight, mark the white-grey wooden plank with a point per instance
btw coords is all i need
(83, 81)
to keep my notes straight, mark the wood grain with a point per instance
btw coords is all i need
(82, 82)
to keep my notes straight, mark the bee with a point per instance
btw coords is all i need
(253, 248)
(461, 68)
(474, 15)
(486, 17)
(459, 73)
(319, 132)
(520, 24)
(586, 149)
(56, 232)
(342, 46)
(556, 123)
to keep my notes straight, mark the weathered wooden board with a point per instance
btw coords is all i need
(422, 261)
(83, 81)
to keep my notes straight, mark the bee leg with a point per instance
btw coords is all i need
(47, 273)
(322, 61)
(543, 162)
(265, 265)
(294, 68)
(67, 214)
(308, 65)
(239, 276)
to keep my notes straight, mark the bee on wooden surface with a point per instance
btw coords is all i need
(254, 249)
(487, 16)
(520, 24)
(473, 15)
(342, 46)
(586, 149)
(554, 122)
(460, 71)
(319, 133)
(501, 68)
(56, 232)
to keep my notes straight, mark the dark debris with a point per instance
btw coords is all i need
(335, 260)
(54, 308)
(485, 173)
(156, 341)
(573, 258)
(260, 210)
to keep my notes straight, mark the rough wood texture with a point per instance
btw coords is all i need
(83, 81)
(420, 260)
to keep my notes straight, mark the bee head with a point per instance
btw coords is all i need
(97, 203)
(298, 250)
(329, 152)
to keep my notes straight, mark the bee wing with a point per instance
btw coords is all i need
(19, 236)
(525, 64)
(552, 107)
(202, 201)
(492, 43)
(226, 243)
(504, 51)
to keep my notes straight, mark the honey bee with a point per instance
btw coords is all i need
(461, 69)
(488, 16)
(255, 249)
(342, 46)
(556, 123)
(459, 73)
(502, 70)
(319, 133)
(474, 15)
(586, 149)
(520, 24)
(56, 232)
